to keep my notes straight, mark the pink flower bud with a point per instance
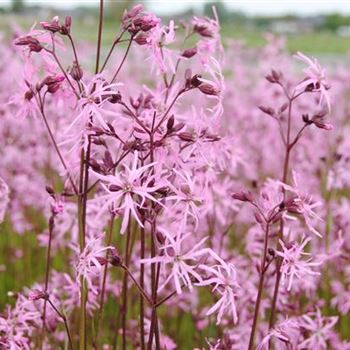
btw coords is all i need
(209, 89)
(76, 72)
(267, 110)
(37, 294)
(188, 53)
(53, 26)
(244, 196)
(186, 136)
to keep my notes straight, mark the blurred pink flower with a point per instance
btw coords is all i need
(318, 328)
(292, 265)
(224, 281)
(316, 77)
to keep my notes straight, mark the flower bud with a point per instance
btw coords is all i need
(267, 110)
(209, 89)
(195, 80)
(76, 72)
(186, 136)
(259, 219)
(243, 196)
(65, 29)
(53, 26)
(170, 123)
(188, 53)
(274, 77)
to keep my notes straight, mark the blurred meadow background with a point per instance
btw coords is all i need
(317, 28)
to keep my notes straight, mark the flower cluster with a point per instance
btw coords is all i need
(162, 205)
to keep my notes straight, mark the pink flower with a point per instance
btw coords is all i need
(126, 191)
(224, 282)
(286, 332)
(184, 262)
(318, 328)
(89, 262)
(303, 204)
(96, 93)
(315, 76)
(292, 265)
(186, 196)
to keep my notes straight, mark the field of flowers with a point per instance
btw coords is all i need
(168, 192)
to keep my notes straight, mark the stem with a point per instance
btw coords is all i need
(115, 42)
(124, 308)
(53, 53)
(260, 290)
(47, 274)
(81, 223)
(76, 59)
(100, 311)
(53, 140)
(123, 60)
(154, 273)
(63, 317)
(99, 37)
(141, 290)
(142, 284)
(280, 233)
(169, 108)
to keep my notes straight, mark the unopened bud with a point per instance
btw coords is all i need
(267, 110)
(186, 136)
(195, 80)
(209, 89)
(52, 26)
(243, 196)
(306, 119)
(259, 219)
(170, 123)
(188, 53)
(76, 72)
(274, 77)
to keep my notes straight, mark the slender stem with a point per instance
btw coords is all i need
(135, 117)
(280, 233)
(76, 59)
(141, 290)
(142, 284)
(53, 53)
(124, 308)
(74, 49)
(123, 60)
(104, 279)
(53, 140)
(47, 274)
(260, 290)
(154, 272)
(99, 37)
(115, 42)
(169, 108)
(81, 223)
(64, 319)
